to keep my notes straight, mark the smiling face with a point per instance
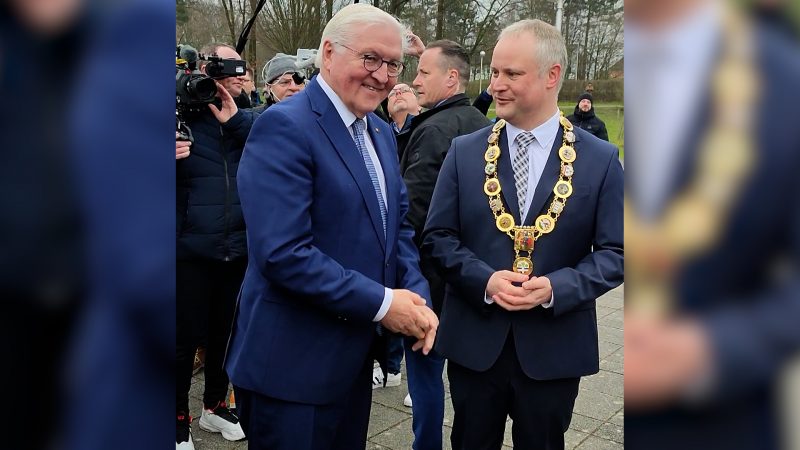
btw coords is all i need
(359, 89)
(524, 96)
(233, 85)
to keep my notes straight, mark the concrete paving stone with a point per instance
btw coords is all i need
(585, 425)
(612, 366)
(606, 348)
(617, 357)
(614, 320)
(605, 382)
(618, 418)
(596, 404)
(382, 418)
(573, 438)
(399, 436)
(610, 334)
(611, 432)
(611, 300)
(603, 311)
(596, 443)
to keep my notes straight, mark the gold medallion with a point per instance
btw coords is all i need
(494, 204)
(493, 138)
(523, 265)
(498, 126)
(492, 153)
(567, 170)
(557, 206)
(491, 187)
(490, 168)
(563, 189)
(523, 239)
(544, 224)
(504, 222)
(569, 136)
(566, 153)
(565, 123)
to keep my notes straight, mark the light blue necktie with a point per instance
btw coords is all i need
(358, 135)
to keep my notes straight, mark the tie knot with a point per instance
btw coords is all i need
(524, 139)
(358, 126)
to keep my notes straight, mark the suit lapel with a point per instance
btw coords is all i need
(544, 189)
(331, 123)
(505, 172)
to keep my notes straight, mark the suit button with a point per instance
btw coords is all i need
(387, 265)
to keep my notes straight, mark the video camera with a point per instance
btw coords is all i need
(193, 88)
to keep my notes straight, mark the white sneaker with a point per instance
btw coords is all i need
(377, 378)
(185, 445)
(222, 420)
(407, 401)
(393, 379)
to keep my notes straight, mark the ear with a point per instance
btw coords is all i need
(553, 75)
(452, 78)
(327, 53)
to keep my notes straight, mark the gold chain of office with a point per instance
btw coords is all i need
(525, 237)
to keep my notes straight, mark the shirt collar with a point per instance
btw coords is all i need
(544, 133)
(347, 116)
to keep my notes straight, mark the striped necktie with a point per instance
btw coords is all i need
(358, 135)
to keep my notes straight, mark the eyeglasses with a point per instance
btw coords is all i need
(400, 91)
(284, 82)
(373, 63)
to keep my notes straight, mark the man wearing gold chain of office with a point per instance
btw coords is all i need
(526, 226)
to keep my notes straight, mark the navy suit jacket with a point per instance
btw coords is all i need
(318, 258)
(582, 257)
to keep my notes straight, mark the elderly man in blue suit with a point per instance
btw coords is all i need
(331, 260)
(526, 226)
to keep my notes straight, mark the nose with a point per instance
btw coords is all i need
(382, 74)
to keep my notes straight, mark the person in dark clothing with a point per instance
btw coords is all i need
(442, 76)
(585, 118)
(484, 100)
(211, 250)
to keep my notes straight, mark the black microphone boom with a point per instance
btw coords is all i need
(246, 30)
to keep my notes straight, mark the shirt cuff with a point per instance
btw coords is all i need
(550, 303)
(388, 295)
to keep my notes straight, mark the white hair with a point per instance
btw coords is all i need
(550, 47)
(343, 26)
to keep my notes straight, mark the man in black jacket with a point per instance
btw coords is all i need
(211, 250)
(442, 76)
(584, 117)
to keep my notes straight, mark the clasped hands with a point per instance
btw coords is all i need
(533, 292)
(409, 315)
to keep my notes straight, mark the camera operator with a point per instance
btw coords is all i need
(211, 248)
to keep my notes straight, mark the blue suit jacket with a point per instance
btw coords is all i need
(318, 259)
(582, 257)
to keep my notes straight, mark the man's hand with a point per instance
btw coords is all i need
(409, 315)
(229, 108)
(532, 293)
(182, 148)
(664, 360)
(415, 45)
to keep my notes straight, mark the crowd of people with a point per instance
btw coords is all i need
(351, 219)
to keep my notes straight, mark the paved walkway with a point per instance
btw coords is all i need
(597, 421)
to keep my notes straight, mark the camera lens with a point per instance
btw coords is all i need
(202, 88)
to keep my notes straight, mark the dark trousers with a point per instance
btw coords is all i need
(273, 424)
(541, 410)
(206, 301)
(426, 387)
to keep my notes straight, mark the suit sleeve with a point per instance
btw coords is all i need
(460, 267)
(425, 152)
(602, 269)
(276, 187)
